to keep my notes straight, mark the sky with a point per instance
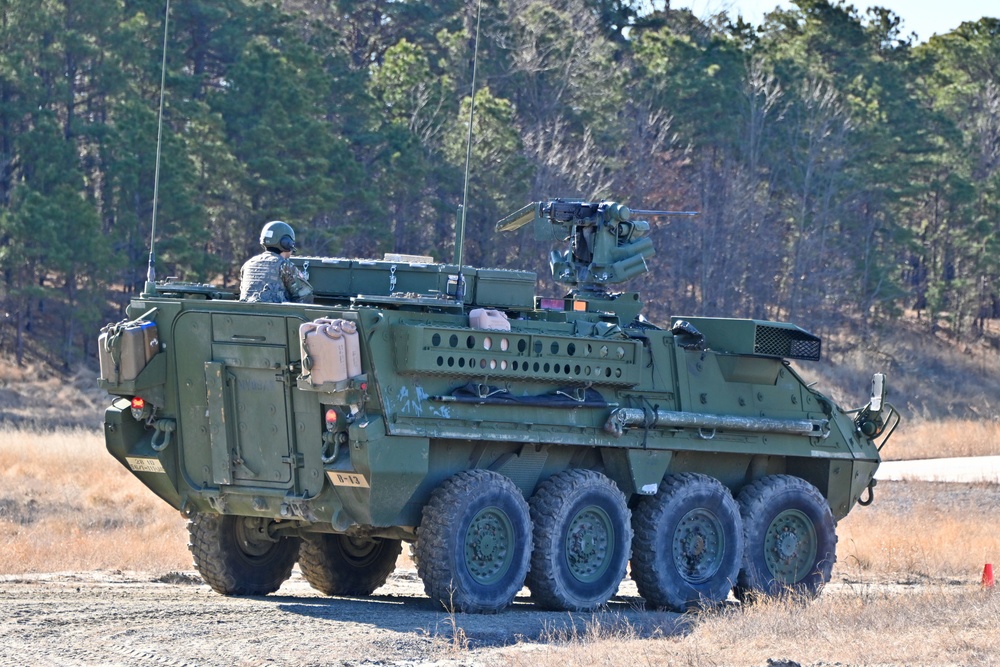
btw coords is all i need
(924, 17)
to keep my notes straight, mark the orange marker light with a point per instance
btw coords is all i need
(331, 419)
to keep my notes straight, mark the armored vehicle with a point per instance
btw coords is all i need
(512, 439)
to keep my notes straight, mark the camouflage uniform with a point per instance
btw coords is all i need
(271, 278)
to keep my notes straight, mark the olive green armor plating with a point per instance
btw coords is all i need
(548, 449)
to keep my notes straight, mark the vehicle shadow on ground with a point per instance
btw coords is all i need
(523, 621)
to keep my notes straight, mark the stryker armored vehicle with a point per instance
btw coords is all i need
(513, 440)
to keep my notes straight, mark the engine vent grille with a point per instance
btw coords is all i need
(787, 343)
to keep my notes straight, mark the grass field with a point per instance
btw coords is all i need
(65, 504)
(904, 591)
(858, 626)
(936, 439)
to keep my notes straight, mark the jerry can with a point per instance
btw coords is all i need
(125, 348)
(488, 318)
(109, 369)
(324, 354)
(352, 345)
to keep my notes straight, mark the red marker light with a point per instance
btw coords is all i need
(331, 419)
(364, 386)
(140, 411)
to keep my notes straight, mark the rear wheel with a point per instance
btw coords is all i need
(789, 536)
(474, 542)
(688, 543)
(582, 536)
(343, 565)
(236, 555)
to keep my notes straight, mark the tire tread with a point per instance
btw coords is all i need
(754, 500)
(325, 570)
(547, 505)
(441, 513)
(213, 558)
(647, 573)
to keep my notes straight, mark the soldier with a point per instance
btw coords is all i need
(270, 277)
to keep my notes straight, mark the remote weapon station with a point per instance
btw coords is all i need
(514, 440)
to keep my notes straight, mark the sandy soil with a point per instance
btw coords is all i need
(94, 618)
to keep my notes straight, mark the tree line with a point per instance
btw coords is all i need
(844, 173)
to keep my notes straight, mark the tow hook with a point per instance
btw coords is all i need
(161, 438)
(871, 494)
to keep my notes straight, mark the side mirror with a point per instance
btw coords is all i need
(878, 392)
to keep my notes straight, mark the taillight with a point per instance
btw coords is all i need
(331, 419)
(140, 410)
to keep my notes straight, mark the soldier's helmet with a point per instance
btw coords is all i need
(278, 236)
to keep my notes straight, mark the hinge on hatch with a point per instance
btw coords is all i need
(288, 374)
(296, 460)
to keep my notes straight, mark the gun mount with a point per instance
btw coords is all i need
(607, 246)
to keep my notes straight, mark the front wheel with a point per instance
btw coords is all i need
(474, 542)
(582, 537)
(790, 539)
(344, 565)
(236, 555)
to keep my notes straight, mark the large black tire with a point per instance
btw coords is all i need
(688, 543)
(789, 537)
(235, 556)
(582, 535)
(342, 565)
(474, 542)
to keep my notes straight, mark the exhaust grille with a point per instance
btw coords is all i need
(787, 343)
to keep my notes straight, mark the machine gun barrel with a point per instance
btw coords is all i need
(635, 212)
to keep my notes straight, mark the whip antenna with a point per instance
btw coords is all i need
(151, 270)
(460, 223)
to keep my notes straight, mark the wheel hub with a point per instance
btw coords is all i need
(699, 546)
(252, 537)
(790, 546)
(487, 545)
(589, 541)
(360, 551)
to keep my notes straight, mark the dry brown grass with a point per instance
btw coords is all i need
(931, 377)
(65, 504)
(938, 626)
(954, 437)
(921, 531)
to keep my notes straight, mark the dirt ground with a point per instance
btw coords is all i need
(94, 618)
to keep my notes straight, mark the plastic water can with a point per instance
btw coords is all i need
(109, 369)
(352, 346)
(488, 318)
(352, 342)
(323, 352)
